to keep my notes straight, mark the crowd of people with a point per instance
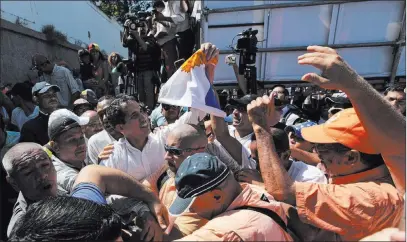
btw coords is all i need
(84, 159)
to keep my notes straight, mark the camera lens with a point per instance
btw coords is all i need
(132, 26)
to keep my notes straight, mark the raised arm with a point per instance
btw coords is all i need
(276, 179)
(373, 110)
(114, 181)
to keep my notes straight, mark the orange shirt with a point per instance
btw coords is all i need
(244, 225)
(352, 206)
(187, 222)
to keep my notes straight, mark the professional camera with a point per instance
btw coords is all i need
(133, 21)
(246, 45)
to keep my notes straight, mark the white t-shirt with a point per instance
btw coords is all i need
(245, 141)
(18, 117)
(96, 144)
(142, 163)
(301, 172)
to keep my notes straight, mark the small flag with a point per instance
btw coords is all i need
(189, 86)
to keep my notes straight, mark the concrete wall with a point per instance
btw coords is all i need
(81, 21)
(19, 44)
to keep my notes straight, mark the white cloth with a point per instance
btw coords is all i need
(217, 149)
(18, 117)
(142, 163)
(245, 141)
(301, 172)
(63, 78)
(190, 87)
(96, 144)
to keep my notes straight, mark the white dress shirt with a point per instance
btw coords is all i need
(301, 172)
(142, 163)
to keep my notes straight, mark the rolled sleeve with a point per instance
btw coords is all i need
(73, 85)
(352, 211)
(89, 192)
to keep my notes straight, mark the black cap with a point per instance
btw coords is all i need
(23, 90)
(198, 174)
(245, 100)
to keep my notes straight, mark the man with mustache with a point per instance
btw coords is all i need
(45, 96)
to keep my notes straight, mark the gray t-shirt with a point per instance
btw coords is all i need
(96, 144)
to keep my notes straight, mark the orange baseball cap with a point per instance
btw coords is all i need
(344, 128)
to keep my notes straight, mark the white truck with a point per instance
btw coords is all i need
(370, 35)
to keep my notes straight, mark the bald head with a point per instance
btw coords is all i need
(89, 114)
(189, 136)
(19, 153)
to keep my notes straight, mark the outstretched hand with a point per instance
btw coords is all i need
(336, 73)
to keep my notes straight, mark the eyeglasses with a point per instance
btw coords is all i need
(167, 107)
(178, 151)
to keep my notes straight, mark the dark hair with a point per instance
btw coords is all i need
(280, 139)
(393, 88)
(371, 161)
(114, 112)
(106, 97)
(2, 124)
(282, 86)
(67, 218)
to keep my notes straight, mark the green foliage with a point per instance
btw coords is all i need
(53, 35)
(118, 9)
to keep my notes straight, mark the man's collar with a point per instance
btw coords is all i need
(364, 176)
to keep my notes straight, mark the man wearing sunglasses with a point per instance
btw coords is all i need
(164, 115)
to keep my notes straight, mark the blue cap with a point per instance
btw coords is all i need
(198, 174)
(296, 129)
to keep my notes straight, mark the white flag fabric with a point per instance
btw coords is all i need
(190, 87)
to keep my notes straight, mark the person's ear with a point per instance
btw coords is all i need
(353, 157)
(13, 183)
(286, 155)
(119, 128)
(35, 100)
(54, 146)
(218, 196)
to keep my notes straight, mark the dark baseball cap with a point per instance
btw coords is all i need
(90, 96)
(23, 90)
(63, 120)
(198, 174)
(243, 101)
(296, 129)
(38, 60)
(41, 87)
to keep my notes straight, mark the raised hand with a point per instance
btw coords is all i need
(210, 50)
(336, 73)
(262, 111)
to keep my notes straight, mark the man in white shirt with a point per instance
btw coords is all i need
(59, 76)
(297, 170)
(140, 152)
(25, 107)
(107, 136)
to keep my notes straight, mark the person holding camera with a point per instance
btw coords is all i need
(148, 53)
(168, 17)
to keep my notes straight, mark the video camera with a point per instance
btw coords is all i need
(246, 45)
(133, 21)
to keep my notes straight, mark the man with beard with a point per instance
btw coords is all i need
(35, 130)
(164, 115)
(99, 141)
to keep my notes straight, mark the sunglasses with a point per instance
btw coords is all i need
(178, 151)
(168, 107)
(242, 108)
